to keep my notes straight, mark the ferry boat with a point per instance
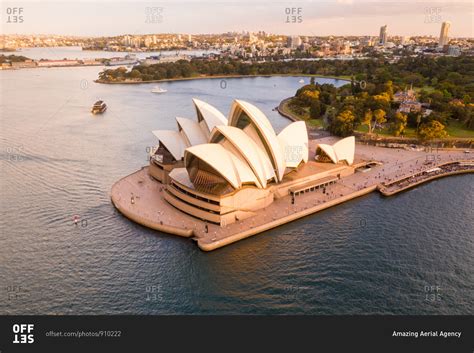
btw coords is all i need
(158, 89)
(99, 107)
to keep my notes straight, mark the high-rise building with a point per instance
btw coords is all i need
(148, 41)
(126, 40)
(383, 35)
(443, 36)
(293, 42)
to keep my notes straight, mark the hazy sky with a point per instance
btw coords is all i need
(337, 17)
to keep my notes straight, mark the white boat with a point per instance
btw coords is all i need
(158, 89)
(99, 107)
(301, 81)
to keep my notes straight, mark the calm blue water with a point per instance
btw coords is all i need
(409, 254)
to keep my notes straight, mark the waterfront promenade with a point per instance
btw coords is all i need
(141, 198)
(422, 176)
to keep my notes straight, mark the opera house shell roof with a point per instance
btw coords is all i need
(223, 154)
(341, 151)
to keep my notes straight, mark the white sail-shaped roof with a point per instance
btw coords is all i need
(255, 156)
(265, 130)
(342, 150)
(192, 131)
(209, 114)
(173, 141)
(328, 150)
(345, 149)
(294, 143)
(228, 165)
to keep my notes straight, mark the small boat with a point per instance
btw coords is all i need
(158, 89)
(301, 81)
(99, 107)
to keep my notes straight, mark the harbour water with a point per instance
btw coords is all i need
(408, 254)
(59, 53)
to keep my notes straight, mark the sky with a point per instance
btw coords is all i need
(318, 18)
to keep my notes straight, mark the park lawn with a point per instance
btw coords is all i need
(318, 123)
(456, 129)
(409, 132)
(304, 116)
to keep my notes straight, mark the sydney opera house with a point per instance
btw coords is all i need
(222, 169)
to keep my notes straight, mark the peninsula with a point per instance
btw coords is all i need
(222, 179)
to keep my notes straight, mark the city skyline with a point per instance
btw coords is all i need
(337, 18)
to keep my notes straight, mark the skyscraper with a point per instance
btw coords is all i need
(293, 42)
(383, 35)
(443, 36)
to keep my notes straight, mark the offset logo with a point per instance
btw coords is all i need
(15, 15)
(23, 333)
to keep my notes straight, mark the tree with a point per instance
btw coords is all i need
(468, 121)
(388, 88)
(432, 129)
(315, 109)
(399, 124)
(367, 120)
(135, 74)
(379, 116)
(308, 97)
(342, 124)
(380, 101)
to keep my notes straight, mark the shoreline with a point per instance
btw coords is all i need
(341, 78)
(149, 207)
